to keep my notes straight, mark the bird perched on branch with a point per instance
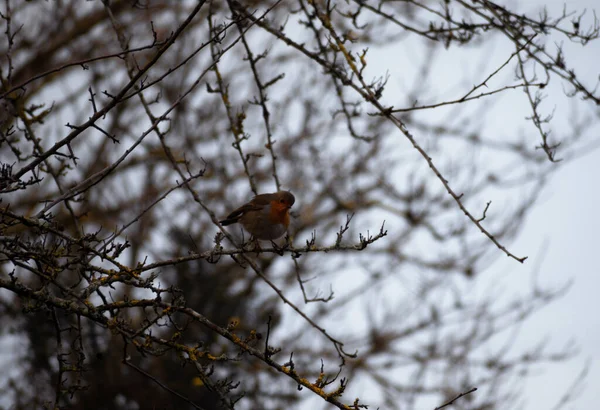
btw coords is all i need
(265, 217)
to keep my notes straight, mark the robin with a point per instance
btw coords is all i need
(266, 216)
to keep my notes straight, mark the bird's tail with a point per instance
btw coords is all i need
(229, 220)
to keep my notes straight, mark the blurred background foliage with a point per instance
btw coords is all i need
(129, 128)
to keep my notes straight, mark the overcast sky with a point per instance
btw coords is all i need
(567, 219)
(562, 233)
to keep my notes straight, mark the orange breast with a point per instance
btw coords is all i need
(280, 213)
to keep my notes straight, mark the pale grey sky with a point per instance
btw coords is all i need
(561, 236)
(567, 219)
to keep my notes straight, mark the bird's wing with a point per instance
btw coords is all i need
(261, 200)
(243, 209)
(256, 204)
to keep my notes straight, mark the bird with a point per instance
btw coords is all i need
(265, 217)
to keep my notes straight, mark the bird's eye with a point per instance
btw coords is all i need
(282, 201)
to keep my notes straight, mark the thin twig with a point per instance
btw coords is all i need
(456, 398)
